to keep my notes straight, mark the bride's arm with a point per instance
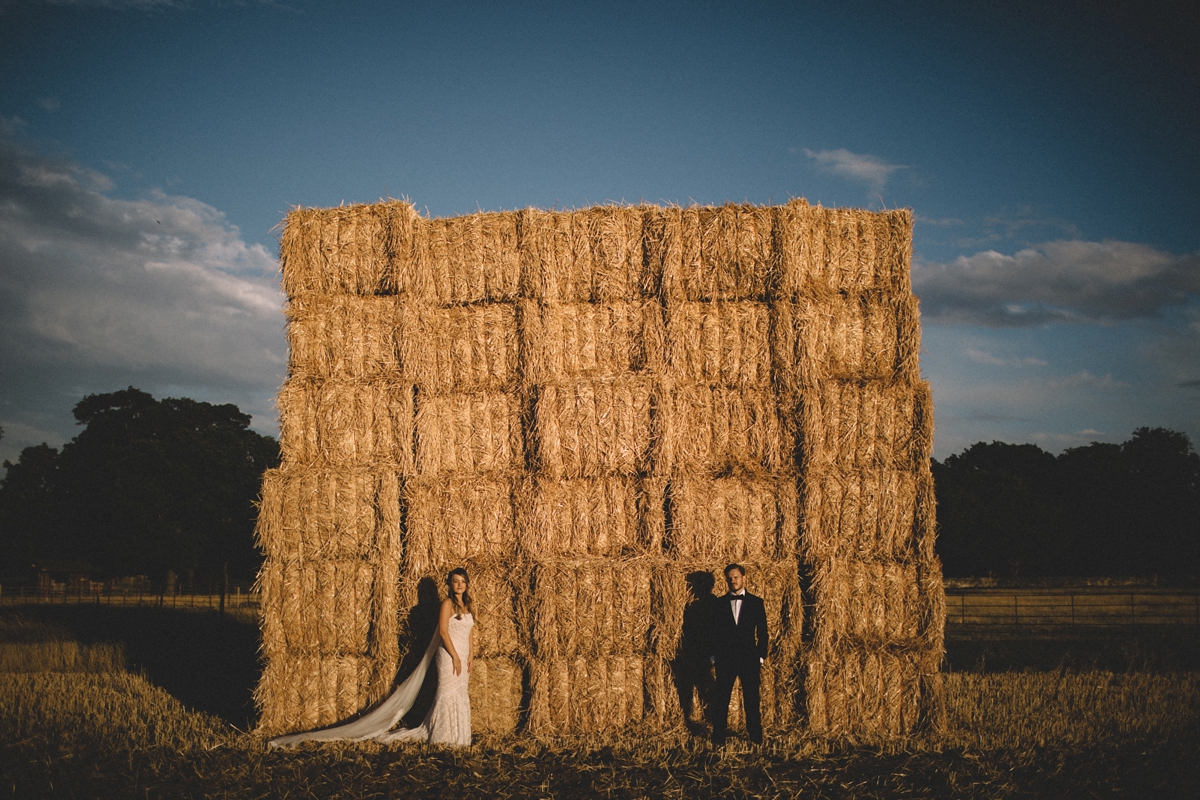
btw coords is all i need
(444, 632)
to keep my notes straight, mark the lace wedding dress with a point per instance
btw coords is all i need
(449, 719)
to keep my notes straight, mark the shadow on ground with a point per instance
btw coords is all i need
(208, 661)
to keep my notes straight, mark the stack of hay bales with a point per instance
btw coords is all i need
(584, 408)
(591, 527)
(847, 340)
(726, 450)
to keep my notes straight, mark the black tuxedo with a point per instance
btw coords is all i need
(737, 649)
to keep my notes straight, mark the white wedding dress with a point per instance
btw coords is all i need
(449, 719)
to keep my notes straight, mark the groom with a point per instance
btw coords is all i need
(738, 645)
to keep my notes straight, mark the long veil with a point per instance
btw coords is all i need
(376, 724)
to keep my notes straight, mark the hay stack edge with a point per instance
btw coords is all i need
(590, 409)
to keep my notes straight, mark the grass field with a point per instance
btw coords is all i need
(148, 703)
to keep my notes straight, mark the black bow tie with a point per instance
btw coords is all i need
(736, 596)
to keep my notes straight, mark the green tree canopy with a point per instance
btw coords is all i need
(151, 485)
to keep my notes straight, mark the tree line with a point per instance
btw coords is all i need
(147, 486)
(1126, 510)
(155, 485)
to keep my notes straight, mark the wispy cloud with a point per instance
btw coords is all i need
(49, 103)
(867, 169)
(983, 357)
(1060, 281)
(161, 290)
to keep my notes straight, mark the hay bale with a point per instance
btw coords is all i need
(869, 603)
(589, 608)
(592, 428)
(469, 348)
(742, 518)
(584, 516)
(714, 430)
(585, 695)
(315, 691)
(342, 336)
(468, 433)
(316, 513)
(469, 259)
(357, 249)
(347, 423)
(564, 342)
(705, 253)
(870, 694)
(864, 514)
(726, 343)
(455, 520)
(866, 425)
(326, 607)
(593, 255)
(871, 336)
(824, 251)
(496, 690)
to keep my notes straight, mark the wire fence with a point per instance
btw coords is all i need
(234, 599)
(1096, 607)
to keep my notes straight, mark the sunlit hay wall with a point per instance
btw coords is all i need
(588, 409)
(846, 338)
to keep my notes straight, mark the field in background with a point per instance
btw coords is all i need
(111, 702)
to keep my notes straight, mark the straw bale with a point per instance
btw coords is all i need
(715, 430)
(455, 519)
(345, 423)
(706, 253)
(347, 249)
(866, 514)
(469, 348)
(856, 338)
(590, 608)
(592, 255)
(327, 606)
(872, 603)
(866, 425)
(931, 617)
(776, 582)
(742, 518)
(310, 691)
(823, 251)
(662, 709)
(493, 597)
(778, 696)
(329, 514)
(463, 433)
(592, 428)
(584, 516)
(727, 343)
(342, 336)
(495, 689)
(925, 514)
(585, 695)
(571, 341)
(468, 259)
(870, 693)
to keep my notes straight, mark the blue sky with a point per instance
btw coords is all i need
(1050, 152)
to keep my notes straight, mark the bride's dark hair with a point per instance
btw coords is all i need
(466, 595)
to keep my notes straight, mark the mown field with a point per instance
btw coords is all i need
(98, 702)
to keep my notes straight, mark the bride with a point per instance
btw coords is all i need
(449, 720)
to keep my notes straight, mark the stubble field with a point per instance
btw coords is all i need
(101, 702)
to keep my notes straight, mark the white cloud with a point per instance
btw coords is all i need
(983, 357)
(1086, 380)
(97, 292)
(862, 168)
(1059, 281)
(49, 103)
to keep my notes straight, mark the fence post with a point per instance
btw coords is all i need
(1132, 612)
(1016, 613)
(1072, 610)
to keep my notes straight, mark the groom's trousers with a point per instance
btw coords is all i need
(749, 671)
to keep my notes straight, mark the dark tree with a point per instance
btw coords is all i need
(151, 485)
(28, 513)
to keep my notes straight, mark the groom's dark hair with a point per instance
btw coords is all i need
(732, 567)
